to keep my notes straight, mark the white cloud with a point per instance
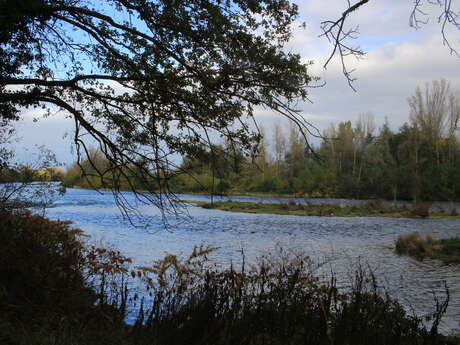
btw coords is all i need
(386, 78)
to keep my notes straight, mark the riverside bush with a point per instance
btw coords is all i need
(40, 264)
(421, 209)
(276, 301)
(446, 250)
(416, 245)
(51, 282)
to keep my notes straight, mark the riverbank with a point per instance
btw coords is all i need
(422, 247)
(364, 209)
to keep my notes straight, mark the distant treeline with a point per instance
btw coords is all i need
(26, 174)
(420, 161)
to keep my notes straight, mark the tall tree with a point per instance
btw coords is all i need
(280, 147)
(428, 111)
(380, 178)
(295, 155)
(363, 137)
(434, 115)
(261, 157)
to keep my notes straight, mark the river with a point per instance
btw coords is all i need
(338, 242)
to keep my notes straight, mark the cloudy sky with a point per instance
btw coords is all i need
(399, 58)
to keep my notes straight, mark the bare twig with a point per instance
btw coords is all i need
(336, 33)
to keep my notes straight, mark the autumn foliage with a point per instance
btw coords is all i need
(49, 275)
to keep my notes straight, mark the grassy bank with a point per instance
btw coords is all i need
(365, 209)
(56, 288)
(421, 247)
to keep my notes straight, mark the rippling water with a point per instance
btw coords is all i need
(340, 242)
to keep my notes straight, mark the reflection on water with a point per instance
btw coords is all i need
(339, 242)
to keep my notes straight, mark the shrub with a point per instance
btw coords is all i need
(277, 301)
(48, 276)
(446, 250)
(72, 177)
(416, 245)
(292, 202)
(40, 264)
(378, 205)
(421, 209)
(223, 187)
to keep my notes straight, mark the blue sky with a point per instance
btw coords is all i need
(399, 58)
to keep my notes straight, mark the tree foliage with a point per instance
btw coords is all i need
(149, 79)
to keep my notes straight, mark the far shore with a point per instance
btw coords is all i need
(269, 195)
(364, 209)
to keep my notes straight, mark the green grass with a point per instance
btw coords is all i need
(449, 251)
(422, 247)
(373, 208)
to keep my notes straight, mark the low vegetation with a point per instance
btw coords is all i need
(53, 288)
(371, 208)
(58, 289)
(421, 247)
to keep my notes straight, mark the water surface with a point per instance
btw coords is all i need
(338, 242)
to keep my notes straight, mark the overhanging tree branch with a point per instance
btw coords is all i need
(166, 81)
